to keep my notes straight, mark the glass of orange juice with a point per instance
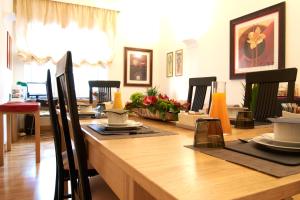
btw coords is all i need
(218, 108)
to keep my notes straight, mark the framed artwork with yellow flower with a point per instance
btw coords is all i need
(257, 41)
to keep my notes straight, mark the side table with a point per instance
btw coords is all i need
(14, 108)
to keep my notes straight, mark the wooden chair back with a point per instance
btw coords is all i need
(68, 105)
(104, 89)
(200, 84)
(59, 185)
(268, 84)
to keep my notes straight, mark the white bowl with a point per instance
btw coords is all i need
(286, 129)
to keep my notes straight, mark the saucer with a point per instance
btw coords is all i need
(268, 140)
(127, 124)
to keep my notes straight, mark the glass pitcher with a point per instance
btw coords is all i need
(218, 108)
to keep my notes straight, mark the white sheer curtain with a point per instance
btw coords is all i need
(45, 30)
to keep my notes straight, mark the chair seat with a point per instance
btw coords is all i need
(20, 107)
(100, 190)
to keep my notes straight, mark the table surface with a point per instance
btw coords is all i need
(164, 168)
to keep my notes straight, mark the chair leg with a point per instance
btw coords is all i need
(37, 136)
(56, 185)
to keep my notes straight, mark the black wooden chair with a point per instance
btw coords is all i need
(62, 165)
(104, 89)
(268, 83)
(200, 84)
(81, 185)
(61, 174)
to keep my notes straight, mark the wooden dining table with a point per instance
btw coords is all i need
(163, 168)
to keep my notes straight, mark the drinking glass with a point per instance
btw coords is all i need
(244, 120)
(218, 108)
(208, 133)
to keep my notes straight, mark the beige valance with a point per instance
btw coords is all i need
(46, 29)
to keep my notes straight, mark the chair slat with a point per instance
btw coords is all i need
(201, 84)
(268, 83)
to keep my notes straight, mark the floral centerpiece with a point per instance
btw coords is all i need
(155, 105)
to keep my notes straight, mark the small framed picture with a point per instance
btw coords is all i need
(179, 62)
(170, 64)
(137, 67)
(8, 51)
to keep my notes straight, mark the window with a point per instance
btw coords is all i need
(34, 72)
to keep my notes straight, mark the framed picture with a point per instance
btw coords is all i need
(137, 67)
(257, 41)
(170, 64)
(8, 51)
(178, 62)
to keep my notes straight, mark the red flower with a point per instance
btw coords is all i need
(149, 100)
(176, 103)
(164, 97)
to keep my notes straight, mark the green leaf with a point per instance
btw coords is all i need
(152, 91)
(137, 99)
(254, 95)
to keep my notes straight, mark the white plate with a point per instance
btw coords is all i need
(271, 137)
(128, 124)
(268, 141)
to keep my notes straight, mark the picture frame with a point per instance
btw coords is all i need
(8, 51)
(170, 64)
(138, 67)
(257, 41)
(179, 62)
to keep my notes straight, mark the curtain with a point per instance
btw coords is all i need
(46, 29)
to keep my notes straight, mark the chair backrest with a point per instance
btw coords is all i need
(67, 99)
(201, 85)
(57, 139)
(104, 89)
(268, 84)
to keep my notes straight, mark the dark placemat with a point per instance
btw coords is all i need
(256, 123)
(258, 164)
(129, 133)
(256, 150)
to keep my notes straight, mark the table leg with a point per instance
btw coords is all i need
(14, 134)
(37, 136)
(1, 139)
(8, 132)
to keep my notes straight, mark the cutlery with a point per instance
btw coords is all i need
(245, 140)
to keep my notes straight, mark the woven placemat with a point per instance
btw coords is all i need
(258, 164)
(146, 132)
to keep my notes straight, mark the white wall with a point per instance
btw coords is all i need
(5, 74)
(138, 27)
(208, 21)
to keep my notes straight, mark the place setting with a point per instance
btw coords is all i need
(117, 125)
(276, 153)
(285, 136)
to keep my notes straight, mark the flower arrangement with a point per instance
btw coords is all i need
(157, 104)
